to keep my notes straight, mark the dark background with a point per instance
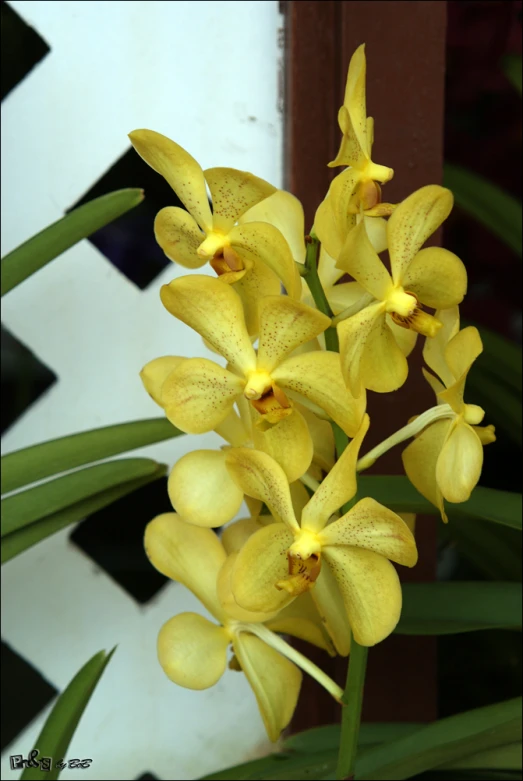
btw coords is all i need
(482, 133)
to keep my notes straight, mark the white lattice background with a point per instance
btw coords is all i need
(197, 72)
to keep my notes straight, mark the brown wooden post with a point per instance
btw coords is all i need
(405, 47)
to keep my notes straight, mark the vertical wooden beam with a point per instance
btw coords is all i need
(405, 47)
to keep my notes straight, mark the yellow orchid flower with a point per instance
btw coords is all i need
(193, 650)
(375, 341)
(444, 462)
(253, 258)
(345, 564)
(354, 194)
(285, 212)
(198, 395)
(199, 486)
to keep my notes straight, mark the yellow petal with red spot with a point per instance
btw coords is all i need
(372, 526)
(215, 311)
(371, 591)
(338, 487)
(274, 679)
(199, 394)
(179, 236)
(187, 554)
(459, 464)
(328, 272)
(154, 374)
(261, 477)
(285, 325)
(201, 490)
(261, 564)
(193, 651)
(413, 222)
(317, 377)
(259, 241)
(437, 278)
(233, 193)
(420, 459)
(288, 442)
(180, 170)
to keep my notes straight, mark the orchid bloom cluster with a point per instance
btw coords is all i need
(314, 559)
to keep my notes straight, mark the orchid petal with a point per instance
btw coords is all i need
(193, 651)
(199, 394)
(201, 490)
(179, 236)
(187, 554)
(179, 169)
(215, 311)
(371, 591)
(233, 193)
(412, 223)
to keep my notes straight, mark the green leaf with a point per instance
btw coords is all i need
(35, 253)
(396, 492)
(512, 68)
(22, 509)
(494, 550)
(442, 742)
(26, 466)
(500, 758)
(452, 607)
(494, 208)
(61, 723)
(327, 738)
(21, 540)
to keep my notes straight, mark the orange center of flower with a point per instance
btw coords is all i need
(303, 573)
(226, 260)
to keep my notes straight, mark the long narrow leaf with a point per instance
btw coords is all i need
(19, 541)
(61, 723)
(512, 68)
(396, 492)
(447, 740)
(35, 253)
(26, 507)
(26, 466)
(493, 207)
(494, 550)
(449, 608)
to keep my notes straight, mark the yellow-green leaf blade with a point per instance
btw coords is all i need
(488, 504)
(443, 742)
(26, 507)
(37, 462)
(18, 541)
(61, 723)
(37, 251)
(452, 607)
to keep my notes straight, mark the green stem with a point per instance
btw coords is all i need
(351, 713)
(317, 291)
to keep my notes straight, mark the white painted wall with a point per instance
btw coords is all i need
(195, 71)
